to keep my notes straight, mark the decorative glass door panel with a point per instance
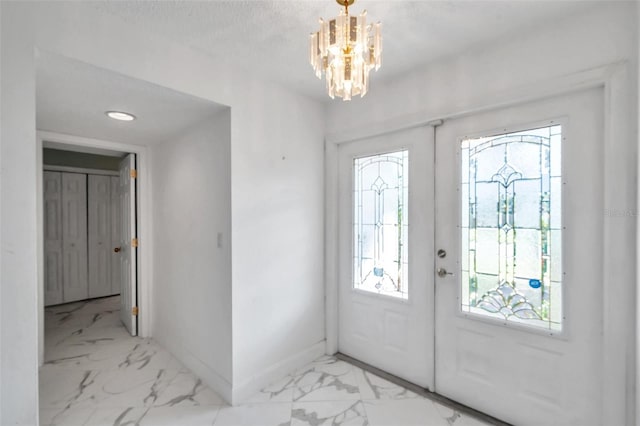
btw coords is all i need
(385, 283)
(518, 310)
(511, 227)
(380, 209)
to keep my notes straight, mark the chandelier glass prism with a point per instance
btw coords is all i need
(345, 49)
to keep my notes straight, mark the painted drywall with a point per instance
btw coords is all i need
(637, 214)
(597, 37)
(268, 198)
(1, 240)
(58, 157)
(19, 295)
(192, 250)
(278, 242)
(492, 74)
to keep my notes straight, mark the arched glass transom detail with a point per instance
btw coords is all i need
(511, 253)
(381, 221)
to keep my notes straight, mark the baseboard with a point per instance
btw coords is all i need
(209, 376)
(277, 371)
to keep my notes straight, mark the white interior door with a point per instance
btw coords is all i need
(128, 248)
(116, 229)
(74, 236)
(100, 248)
(519, 199)
(52, 188)
(386, 253)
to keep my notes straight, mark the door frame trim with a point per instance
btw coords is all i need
(69, 169)
(619, 356)
(144, 218)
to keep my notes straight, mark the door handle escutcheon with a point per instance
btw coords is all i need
(443, 273)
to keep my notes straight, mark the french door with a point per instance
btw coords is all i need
(504, 236)
(386, 285)
(519, 198)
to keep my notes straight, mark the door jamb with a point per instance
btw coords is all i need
(620, 378)
(144, 227)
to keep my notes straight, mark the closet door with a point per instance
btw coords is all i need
(74, 236)
(52, 186)
(116, 277)
(100, 249)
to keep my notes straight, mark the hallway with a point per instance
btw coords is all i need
(96, 374)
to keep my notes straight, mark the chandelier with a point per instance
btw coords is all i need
(346, 49)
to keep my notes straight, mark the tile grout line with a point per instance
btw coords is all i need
(422, 391)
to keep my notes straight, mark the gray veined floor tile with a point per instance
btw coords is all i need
(83, 320)
(454, 417)
(184, 416)
(374, 387)
(65, 416)
(117, 416)
(136, 388)
(89, 357)
(406, 412)
(274, 414)
(280, 391)
(326, 380)
(78, 336)
(187, 390)
(96, 374)
(60, 388)
(154, 416)
(330, 413)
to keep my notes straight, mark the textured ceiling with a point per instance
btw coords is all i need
(72, 97)
(270, 37)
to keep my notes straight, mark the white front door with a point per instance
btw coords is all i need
(127, 249)
(519, 196)
(386, 253)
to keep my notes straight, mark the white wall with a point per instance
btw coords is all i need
(18, 292)
(637, 212)
(597, 37)
(497, 73)
(278, 311)
(265, 119)
(191, 199)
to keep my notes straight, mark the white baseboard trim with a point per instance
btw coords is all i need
(209, 376)
(277, 371)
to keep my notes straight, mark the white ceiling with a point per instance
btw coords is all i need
(271, 37)
(72, 97)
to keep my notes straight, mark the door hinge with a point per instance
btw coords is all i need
(134, 173)
(134, 310)
(134, 242)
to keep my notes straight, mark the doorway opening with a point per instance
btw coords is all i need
(89, 238)
(91, 269)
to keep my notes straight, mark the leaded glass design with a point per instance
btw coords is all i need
(511, 228)
(380, 200)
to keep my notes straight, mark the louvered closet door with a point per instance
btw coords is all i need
(116, 277)
(52, 186)
(100, 249)
(74, 236)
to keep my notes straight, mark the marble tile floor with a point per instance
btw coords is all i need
(95, 373)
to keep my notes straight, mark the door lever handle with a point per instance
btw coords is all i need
(116, 250)
(443, 273)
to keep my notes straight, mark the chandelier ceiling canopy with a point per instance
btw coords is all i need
(345, 49)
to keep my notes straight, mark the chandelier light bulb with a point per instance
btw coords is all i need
(345, 49)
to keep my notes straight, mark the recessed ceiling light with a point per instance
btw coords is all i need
(119, 115)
